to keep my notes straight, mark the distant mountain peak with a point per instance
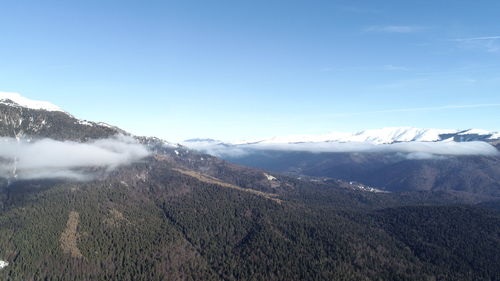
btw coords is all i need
(15, 99)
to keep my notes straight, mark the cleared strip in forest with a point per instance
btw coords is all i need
(212, 180)
(69, 237)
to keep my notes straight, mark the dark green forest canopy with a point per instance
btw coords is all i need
(150, 222)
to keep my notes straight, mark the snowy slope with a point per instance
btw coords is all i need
(17, 99)
(377, 136)
(476, 132)
(398, 134)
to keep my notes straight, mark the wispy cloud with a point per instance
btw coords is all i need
(394, 28)
(487, 43)
(477, 38)
(434, 148)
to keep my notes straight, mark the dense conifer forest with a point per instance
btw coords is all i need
(151, 222)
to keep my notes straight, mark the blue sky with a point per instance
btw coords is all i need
(249, 69)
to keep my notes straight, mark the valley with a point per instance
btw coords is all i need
(181, 214)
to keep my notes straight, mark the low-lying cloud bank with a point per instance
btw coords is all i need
(412, 150)
(48, 158)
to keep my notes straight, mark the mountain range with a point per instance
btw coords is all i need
(390, 159)
(83, 200)
(376, 136)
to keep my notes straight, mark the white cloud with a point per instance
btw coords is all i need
(217, 148)
(440, 148)
(412, 150)
(422, 156)
(47, 158)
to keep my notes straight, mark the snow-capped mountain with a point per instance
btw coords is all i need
(15, 99)
(376, 136)
(21, 117)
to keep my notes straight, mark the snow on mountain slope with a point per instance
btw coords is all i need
(376, 136)
(398, 134)
(17, 99)
(495, 136)
(476, 132)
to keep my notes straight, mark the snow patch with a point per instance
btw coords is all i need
(495, 136)
(3, 264)
(17, 99)
(85, 122)
(361, 187)
(377, 136)
(169, 144)
(270, 177)
(105, 125)
(476, 132)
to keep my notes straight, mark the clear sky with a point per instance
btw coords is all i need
(248, 69)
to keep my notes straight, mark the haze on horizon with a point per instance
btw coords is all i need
(257, 69)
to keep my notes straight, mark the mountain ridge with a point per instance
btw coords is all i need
(387, 135)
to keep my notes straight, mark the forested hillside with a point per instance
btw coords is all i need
(151, 222)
